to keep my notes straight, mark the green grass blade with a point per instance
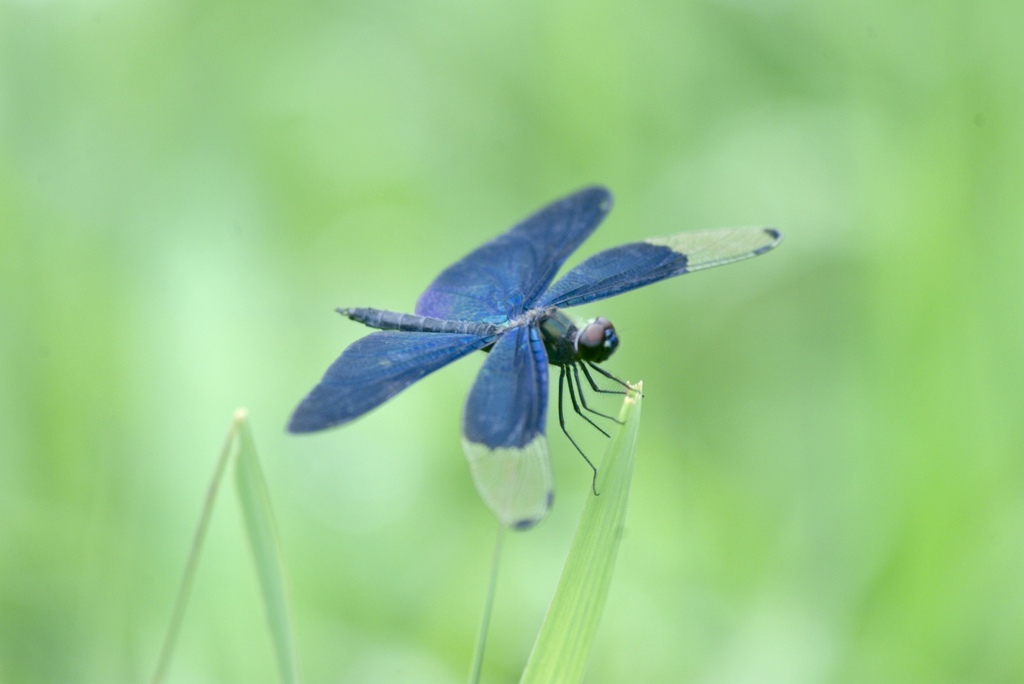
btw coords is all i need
(561, 651)
(188, 577)
(259, 522)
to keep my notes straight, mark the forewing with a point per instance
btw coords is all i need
(637, 264)
(374, 369)
(503, 277)
(503, 430)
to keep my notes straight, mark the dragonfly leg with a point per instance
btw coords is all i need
(608, 375)
(576, 407)
(561, 423)
(593, 385)
(583, 399)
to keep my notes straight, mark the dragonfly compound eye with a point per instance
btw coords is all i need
(597, 340)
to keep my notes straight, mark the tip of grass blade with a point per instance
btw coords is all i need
(263, 540)
(562, 648)
(266, 548)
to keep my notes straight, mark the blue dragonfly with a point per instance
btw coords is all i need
(500, 299)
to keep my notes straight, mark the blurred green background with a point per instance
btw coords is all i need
(829, 486)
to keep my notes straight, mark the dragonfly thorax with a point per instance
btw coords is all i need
(566, 343)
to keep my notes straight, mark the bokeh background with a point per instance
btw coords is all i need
(829, 486)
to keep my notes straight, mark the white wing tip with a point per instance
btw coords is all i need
(515, 482)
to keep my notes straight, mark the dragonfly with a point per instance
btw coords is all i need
(500, 299)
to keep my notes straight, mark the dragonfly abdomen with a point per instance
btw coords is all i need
(393, 320)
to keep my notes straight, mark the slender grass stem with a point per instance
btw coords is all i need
(485, 620)
(185, 589)
(263, 542)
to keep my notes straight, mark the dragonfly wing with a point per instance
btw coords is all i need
(634, 265)
(503, 277)
(503, 430)
(374, 369)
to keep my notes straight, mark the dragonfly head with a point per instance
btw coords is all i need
(596, 340)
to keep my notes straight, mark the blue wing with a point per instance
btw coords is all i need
(637, 264)
(502, 278)
(503, 430)
(374, 369)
